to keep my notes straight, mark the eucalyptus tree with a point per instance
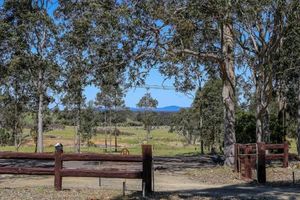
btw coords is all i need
(110, 98)
(287, 70)
(31, 37)
(148, 103)
(89, 122)
(76, 25)
(92, 45)
(186, 124)
(14, 99)
(209, 100)
(104, 102)
(14, 64)
(260, 27)
(178, 37)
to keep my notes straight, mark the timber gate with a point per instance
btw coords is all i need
(254, 156)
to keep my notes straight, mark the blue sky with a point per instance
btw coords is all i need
(164, 97)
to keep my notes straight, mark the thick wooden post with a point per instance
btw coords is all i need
(261, 162)
(286, 155)
(248, 170)
(57, 168)
(116, 144)
(236, 159)
(147, 167)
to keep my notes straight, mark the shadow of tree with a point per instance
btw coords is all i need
(239, 191)
(26, 163)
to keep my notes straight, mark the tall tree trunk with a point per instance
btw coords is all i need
(15, 133)
(201, 146)
(259, 110)
(282, 107)
(228, 76)
(115, 132)
(201, 127)
(110, 131)
(148, 133)
(78, 123)
(263, 92)
(105, 119)
(40, 144)
(298, 116)
(266, 127)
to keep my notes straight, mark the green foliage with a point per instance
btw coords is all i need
(88, 123)
(208, 108)
(185, 124)
(6, 138)
(245, 127)
(147, 102)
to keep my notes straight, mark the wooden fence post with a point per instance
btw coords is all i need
(261, 162)
(57, 167)
(248, 170)
(147, 167)
(236, 159)
(286, 155)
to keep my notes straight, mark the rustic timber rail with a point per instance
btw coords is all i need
(59, 171)
(254, 155)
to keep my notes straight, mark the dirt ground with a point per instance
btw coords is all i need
(175, 178)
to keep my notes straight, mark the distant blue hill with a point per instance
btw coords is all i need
(162, 109)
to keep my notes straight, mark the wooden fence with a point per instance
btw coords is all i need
(249, 156)
(59, 171)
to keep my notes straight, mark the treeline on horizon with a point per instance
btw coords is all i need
(242, 58)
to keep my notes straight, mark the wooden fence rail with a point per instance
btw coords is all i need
(59, 171)
(249, 156)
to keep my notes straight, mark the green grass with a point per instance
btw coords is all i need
(67, 133)
(164, 143)
(292, 146)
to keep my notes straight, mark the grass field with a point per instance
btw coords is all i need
(164, 143)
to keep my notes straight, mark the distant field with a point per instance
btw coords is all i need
(164, 143)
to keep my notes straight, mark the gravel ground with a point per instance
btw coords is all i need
(46, 193)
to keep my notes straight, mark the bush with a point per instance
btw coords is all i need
(5, 138)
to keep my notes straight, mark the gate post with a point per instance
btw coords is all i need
(147, 167)
(261, 162)
(286, 154)
(236, 159)
(248, 170)
(58, 166)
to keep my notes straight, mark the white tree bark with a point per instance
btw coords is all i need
(40, 144)
(228, 76)
(298, 116)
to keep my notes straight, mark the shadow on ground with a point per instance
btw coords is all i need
(238, 191)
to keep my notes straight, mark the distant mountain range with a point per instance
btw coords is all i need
(162, 109)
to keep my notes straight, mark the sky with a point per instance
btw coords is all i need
(164, 97)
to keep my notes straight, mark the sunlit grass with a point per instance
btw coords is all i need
(292, 146)
(164, 143)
